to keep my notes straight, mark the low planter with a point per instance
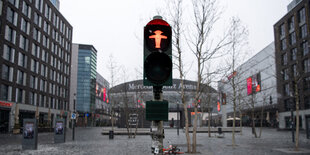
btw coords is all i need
(16, 131)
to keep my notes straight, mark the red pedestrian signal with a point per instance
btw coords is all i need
(157, 67)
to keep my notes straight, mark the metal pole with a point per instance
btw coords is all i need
(178, 119)
(157, 126)
(73, 120)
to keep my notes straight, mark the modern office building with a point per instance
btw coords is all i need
(102, 110)
(292, 38)
(255, 82)
(86, 82)
(35, 49)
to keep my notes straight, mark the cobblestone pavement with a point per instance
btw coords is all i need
(90, 141)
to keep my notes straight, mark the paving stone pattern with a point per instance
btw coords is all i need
(90, 141)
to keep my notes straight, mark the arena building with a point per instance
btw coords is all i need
(131, 97)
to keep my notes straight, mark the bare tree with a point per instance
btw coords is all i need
(238, 37)
(205, 15)
(176, 19)
(113, 68)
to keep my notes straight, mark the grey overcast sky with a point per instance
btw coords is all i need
(116, 26)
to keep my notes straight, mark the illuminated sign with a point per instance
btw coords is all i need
(157, 35)
(254, 84)
(101, 93)
(5, 104)
(158, 38)
(249, 85)
(218, 106)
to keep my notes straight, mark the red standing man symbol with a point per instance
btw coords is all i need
(158, 38)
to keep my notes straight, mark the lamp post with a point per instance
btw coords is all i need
(73, 120)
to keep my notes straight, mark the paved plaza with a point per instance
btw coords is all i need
(90, 141)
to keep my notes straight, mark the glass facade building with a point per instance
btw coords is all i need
(55, 3)
(86, 79)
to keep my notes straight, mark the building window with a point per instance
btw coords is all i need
(31, 98)
(292, 38)
(307, 83)
(21, 77)
(8, 53)
(286, 89)
(284, 59)
(32, 82)
(291, 24)
(294, 70)
(23, 43)
(303, 31)
(25, 26)
(44, 56)
(293, 54)
(37, 19)
(22, 60)
(287, 105)
(307, 102)
(307, 65)
(39, 4)
(45, 41)
(35, 50)
(36, 34)
(26, 10)
(302, 16)
(12, 16)
(305, 48)
(283, 44)
(285, 74)
(7, 73)
(20, 95)
(6, 92)
(34, 66)
(47, 12)
(14, 2)
(43, 100)
(282, 31)
(10, 34)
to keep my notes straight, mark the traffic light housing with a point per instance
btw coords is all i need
(157, 53)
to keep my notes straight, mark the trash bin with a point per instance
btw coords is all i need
(219, 130)
(111, 134)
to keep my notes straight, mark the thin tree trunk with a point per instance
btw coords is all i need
(209, 119)
(253, 121)
(188, 140)
(240, 115)
(195, 130)
(297, 117)
(234, 104)
(261, 120)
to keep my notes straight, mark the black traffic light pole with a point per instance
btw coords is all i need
(157, 72)
(157, 126)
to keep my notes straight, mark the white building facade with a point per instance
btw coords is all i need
(255, 83)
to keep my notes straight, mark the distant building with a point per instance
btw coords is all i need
(255, 83)
(292, 37)
(102, 110)
(35, 49)
(55, 3)
(86, 82)
(135, 95)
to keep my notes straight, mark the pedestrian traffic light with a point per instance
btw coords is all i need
(157, 65)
